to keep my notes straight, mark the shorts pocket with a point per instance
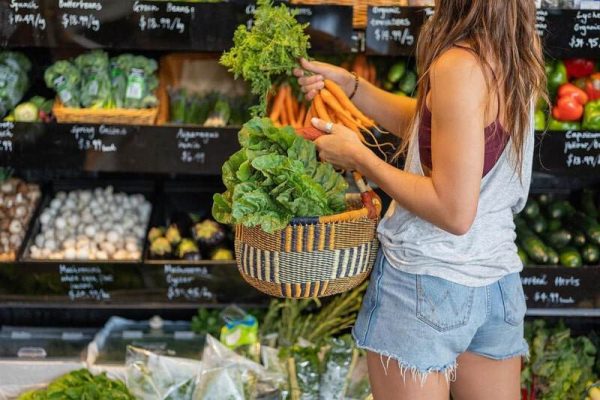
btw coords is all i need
(442, 304)
(513, 299)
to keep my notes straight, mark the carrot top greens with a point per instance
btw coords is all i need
(269, 49)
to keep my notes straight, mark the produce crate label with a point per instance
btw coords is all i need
(168, 17)
(6, 137)
(553, 287)
(85, 282)
(394, 30)
(80, 14)
(572, 33)
(568, 153)
(582, 149)
(26, 13)
(182, 283)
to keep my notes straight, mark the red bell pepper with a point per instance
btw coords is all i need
(571, 91)
(579, 67)
(592, 86)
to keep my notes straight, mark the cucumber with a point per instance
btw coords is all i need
(408, 83)
(553, 258)
(545, 199)
(590, 254)
(560, 209)
(532, 209)
(588, 225)
(539, 225)
(554, 225)
(558, 239)
(535, 249)
(523, 256)
(520, 224)
(570, 258)
(397, 72)
(588, 205)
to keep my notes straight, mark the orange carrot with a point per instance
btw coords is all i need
(309, 116)
(345, 104)
(333, 104)
(320, 109)
(277, 107)
(301, 115)
(288, 106)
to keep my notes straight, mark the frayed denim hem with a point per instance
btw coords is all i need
(524, 354)
(449, 371)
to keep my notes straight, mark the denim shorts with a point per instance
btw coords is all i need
(424, 323)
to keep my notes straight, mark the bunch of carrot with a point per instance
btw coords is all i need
(286, 109)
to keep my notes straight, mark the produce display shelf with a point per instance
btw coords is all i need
(393, 31)
(195, 150)
(152, 26)
(564, 312)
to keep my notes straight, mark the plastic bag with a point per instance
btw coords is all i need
(153, 377)
(339, 362)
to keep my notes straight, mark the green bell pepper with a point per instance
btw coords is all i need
(591, 116)
(557, 76)
(554, 125)
(540, 120)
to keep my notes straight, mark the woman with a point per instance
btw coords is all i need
(445, 302)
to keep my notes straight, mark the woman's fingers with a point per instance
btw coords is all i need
(310, 80)
(322, 125)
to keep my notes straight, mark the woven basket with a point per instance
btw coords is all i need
(313, 257)
(125, 116)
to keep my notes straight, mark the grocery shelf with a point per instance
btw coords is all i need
(563, 312)
(152, 26)
(393, 31)
(116, 148)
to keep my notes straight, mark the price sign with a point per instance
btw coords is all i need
(183, 283)
(85, 282)
(541, 22)
(191, 144)
(27, 13)
(560, 288)
(571, 152)
(101, 139)
(80, 15)
(394, 30)
(6, 137)
(166, 24)
(572, 33)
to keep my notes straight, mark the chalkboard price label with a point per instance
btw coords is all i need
(191, 144)
(182, 283)
(101, 139)
(80, 15)
(394, 30)
(168, 17)
(553, 287)
(586, 30)
(85, 282)
(6, 137)
(541, 22)
(582, 149)
(26, 13)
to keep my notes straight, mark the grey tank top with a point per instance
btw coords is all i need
(488, 251)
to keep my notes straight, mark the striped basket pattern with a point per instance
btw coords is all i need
(313, 257)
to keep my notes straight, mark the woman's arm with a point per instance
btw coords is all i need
(390, 111)
(449, 197)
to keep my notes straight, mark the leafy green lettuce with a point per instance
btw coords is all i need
(275, 177)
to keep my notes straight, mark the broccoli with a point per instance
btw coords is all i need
(95, 82)
(64, 78)
(14, 79)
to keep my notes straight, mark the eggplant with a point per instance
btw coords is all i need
(209, 234)
(160, 248)
(187, 250)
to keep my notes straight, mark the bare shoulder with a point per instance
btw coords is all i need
(458, 69)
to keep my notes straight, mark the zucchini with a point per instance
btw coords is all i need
(545, 199)
(532, 209)
(560, 209)
(558, 239)
(588, 205)
(590, 254)
(588, 225)
(520, 224)
(535, 249)
(539, 224)
(570, 258)
(554, 225)
(553, 258)
(523, 256)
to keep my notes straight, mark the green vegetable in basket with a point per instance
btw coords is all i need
(64, 78)
(276, 177)
(95, 81)
(271, 48)
(14, 79)
(140, 76)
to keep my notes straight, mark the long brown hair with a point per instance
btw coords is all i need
(499, 32)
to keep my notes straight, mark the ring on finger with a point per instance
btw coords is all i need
(329, 127)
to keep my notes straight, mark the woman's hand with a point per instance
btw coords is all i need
(340, 147)
(311, 84)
